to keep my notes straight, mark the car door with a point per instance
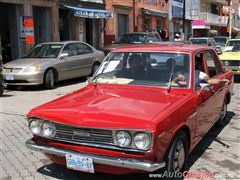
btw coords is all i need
(204, 102)
(70, 60)
(85, 59)
(214, 71)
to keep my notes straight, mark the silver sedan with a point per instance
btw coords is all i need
(50, 62)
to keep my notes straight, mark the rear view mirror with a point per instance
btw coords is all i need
(205, 86)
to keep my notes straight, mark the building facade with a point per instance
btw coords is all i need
(135, 15)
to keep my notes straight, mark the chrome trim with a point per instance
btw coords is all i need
(99, 145)
(130, 163)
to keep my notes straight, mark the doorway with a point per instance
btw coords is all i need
(10, 31)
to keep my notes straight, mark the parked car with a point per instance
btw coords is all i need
(231, 55)
(1, 77)
(221, 41)
(206, 41)
(119, 123)
(133, 38)
(50, 62)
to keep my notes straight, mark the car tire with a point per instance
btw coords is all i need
(177, 155)
(94, 68)
(1, 90)
(222, 120)
(11, 87)
(49, 79)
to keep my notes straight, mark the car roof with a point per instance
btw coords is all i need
(61, 42)
(186, 48)
(139, 33)
(201, 38)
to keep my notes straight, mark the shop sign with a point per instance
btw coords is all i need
(27, 29)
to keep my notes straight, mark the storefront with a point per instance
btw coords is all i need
(176, 18)
(19, 19)
(83, 22)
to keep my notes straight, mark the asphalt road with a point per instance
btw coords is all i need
(217, 154)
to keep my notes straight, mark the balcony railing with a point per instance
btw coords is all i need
(214, 19)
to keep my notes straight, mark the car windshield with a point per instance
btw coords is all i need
(44, 51)
(220, 40)
(199, 41)
(144, 68)
(233, 46)
(132, 39)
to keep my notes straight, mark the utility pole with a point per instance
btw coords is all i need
(230, 18)
(183, 19)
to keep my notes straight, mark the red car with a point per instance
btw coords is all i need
(126, 121)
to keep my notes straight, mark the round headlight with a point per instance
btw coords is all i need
(48, 129)
(226, 63)
(35, 127)
(123, 138)
(142, 141)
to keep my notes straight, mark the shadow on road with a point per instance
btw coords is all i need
(207, 140)
(61, 172)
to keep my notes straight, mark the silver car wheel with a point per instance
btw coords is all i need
(179, 157)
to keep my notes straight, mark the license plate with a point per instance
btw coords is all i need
(79, 163)
(9, 77)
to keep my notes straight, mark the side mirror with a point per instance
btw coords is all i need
(205, 87)
(64, 55)
(1, 57)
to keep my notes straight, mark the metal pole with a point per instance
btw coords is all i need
(183, 19)
(230, 23)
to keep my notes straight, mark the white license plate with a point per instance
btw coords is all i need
(79, 163)
(9, 77)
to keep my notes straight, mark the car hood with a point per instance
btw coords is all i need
(25, 62)
(230, 56)
(113, 108)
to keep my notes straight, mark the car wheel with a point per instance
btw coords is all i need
(94, 68)
(176, 158)
(222, 120)
(49, 79)
(1, 90)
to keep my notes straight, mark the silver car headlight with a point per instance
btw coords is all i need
(36, 127)
(142, 141)
(48, 129)
(36, 68)
(226, 63)
(123, 139)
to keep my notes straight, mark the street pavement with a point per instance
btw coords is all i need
(218, 153)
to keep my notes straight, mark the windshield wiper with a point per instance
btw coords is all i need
(170, 78)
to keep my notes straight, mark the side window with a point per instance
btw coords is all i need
(83, 49)
(70, 49)
(211, 64)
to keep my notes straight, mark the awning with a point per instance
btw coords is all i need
(155, 13)
(200, 24)
(90, 13)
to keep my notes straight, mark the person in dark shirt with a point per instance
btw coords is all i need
(135, 70)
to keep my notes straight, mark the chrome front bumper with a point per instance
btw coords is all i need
(98, 159)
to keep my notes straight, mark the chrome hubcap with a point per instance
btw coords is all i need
(179, 157)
